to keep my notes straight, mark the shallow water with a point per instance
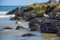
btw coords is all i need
(17, 34)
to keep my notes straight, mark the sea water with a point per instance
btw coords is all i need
(8, 8)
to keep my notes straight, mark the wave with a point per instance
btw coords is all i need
(2, 15)
(7, 16)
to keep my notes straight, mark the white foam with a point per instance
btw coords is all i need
(7, 16)
(3, 12)
(2, 15)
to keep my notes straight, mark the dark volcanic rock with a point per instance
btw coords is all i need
(28, 35)
(7, 28)
(45, 25)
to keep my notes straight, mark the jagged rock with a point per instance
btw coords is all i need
(28, 35)
(55, 14)
(7, 28)
(45, 25)
(23, 13)
(13, 11)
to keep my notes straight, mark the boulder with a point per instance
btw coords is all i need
(49, 26)
(45, 25)
(28, 35)
(34, 24)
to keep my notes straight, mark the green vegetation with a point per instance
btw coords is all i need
(58, 6)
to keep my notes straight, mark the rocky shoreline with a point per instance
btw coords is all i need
(45, 19)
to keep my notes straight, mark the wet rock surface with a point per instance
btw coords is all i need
(28, 35)
(7, 28)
